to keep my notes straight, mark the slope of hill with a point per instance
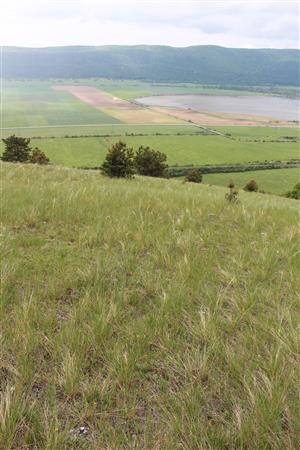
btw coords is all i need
(200, 64)
(150, 312)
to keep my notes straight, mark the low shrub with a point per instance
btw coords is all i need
(251, 186)
(294, 193)
(194, 176)
(38, 157)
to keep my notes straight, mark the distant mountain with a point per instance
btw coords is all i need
(198, 64)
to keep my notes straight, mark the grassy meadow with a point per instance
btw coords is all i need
(180, 149)
(152, 312)
(277, 181)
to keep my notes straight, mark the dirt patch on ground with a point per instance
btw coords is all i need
(95, 97)
(127, 112)
(207, 118)
(142, 116)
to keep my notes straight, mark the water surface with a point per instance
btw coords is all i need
(258, 105)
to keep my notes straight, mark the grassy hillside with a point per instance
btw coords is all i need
(198, 64)
(152, 312)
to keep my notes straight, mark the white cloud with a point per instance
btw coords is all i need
(39, 23)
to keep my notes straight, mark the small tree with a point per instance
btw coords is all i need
(194, 176)
(119, 161)
(16, 149)
(252, 186)
(38, 157)
(150, 162)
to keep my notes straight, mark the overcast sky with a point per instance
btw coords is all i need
(252, 24)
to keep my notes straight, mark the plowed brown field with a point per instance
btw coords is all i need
(95, 97)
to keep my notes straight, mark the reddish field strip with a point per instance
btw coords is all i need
(95, 97)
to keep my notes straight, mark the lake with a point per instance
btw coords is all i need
(258, 105)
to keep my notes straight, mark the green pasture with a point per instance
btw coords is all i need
(115, 129)
(263, 133)
(183, 150)
(130, 89)
(35, 103)
(180, 149)
(277, 181)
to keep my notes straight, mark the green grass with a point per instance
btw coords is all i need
(131, 89)
(267, 133)
(180, 150)
(35, 103)
(215, 149)
(277, 181)
(150, 311)
(102, 129)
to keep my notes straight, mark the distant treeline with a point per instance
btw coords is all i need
(206, 64)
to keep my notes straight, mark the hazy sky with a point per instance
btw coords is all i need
(254, 24)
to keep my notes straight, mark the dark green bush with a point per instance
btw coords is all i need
(16, 149)
(119, 161)
(294, 193)
(150, 162)
(38, 157)
(194, 176)
(251, 186)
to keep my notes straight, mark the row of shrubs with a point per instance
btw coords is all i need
(78, 136)
(180, 171)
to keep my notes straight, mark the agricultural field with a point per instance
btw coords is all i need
(53, 103)
(277, 181)
(151, 312)
(180, 149)
(98, 113)
(259, 133)
(34, 104)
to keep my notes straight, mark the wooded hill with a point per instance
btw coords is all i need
(197, 64)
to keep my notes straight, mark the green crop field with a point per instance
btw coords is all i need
(214, 149)
(114, 129)
(46, 113)
(277, 181)
(179, 149)
(34, 104)
(151, 312)
(131, 89)
(261, 133)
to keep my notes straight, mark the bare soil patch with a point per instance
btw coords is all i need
(142, 115)
(95, 97)
(207, 118)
